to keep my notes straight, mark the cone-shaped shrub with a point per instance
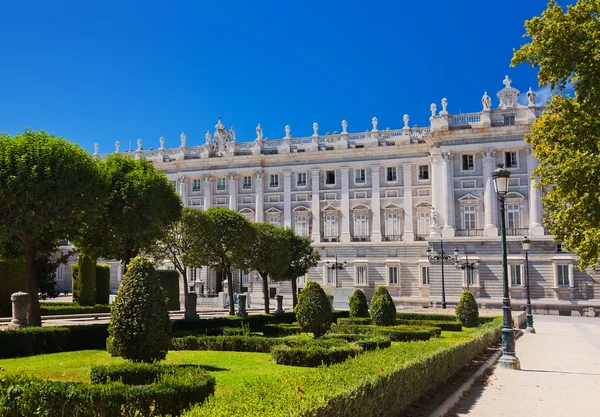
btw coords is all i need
(467, 311)
(358, 304)
(313, 310)
(140, 327)
(383, 310)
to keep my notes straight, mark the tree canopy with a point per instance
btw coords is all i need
(565, 47)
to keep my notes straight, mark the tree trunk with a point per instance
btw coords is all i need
(33, 310)
(230, 291)
(185, 287)
(265, 291)
(294, 292)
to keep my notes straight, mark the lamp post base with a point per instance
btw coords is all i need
(509, 361)
(509, 358)
(530, 330)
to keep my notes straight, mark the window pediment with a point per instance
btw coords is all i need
(392, 207)
(361, 208)
(513, 195)
(273, 210)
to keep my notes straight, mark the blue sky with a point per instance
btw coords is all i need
(107, 71)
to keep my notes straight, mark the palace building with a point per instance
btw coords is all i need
(374, 201)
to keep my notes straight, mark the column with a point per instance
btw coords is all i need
(316, 209)
(260, 199)
(233, 191)
(535, 197)
(345, 206)
(376, 204)
(207, 192)
(437, 187)
(448, 195)
(287, 198)
(183, 189)
(490, 202)
(409, 234)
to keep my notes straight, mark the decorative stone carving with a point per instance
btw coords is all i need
(279, 309)
(183, 138)
(344, 127)
(508, 96)
(117, 146)
(433, 109)
(434, 225)
(207, 137)
(287, 131)
(531, 97)
(96, 149)
(315, 129)
(162, 143)
(231, 135)
(139, 145)
(259, 132)
(20, 302)
(444, 106)
(374, 121)
(486, 101)
(406, 119)
(507, 81)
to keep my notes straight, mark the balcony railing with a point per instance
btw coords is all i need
(392, 238)
(469, 232)
(363, 238)
(523, 231)
(325, 238)
(421, 236)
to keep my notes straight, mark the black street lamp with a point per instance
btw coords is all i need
(335, 266)
(509, 358)
(526, 247)
(466, 265)
(441, 258)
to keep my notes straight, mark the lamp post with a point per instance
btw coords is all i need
(441, 258)
(466, 265)
(526, 246)
(335, 266)
(509, 358)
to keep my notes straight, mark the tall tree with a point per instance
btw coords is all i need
(269, 255)
(225, 244)
(140, 207)
(182, 243)
(46, 267)
(565, 47)
(48, 187)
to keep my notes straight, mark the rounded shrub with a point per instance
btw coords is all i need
(140, 327)
(358, 304)
(467, 311)
(383, 310)
(313, 310)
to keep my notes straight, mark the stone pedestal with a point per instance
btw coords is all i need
(190, 311)
(279, 309)
(242, 306)
(20, 302)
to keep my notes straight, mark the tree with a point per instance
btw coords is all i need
(565, 46)
(182, 243)
(314, 310)
(467, 311)
(48, 187)
(383, 309)
(302, 257)
(358, 304)
(269, 255)
(140, 207)
(46, 267)
(225, 243)
(140, 327)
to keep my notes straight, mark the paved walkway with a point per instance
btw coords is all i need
(559, 376)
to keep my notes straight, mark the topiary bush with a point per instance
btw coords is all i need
(314, 354)
(467, 311)
(140, 327)
(75, 282)
(383, 310)
(313, 310)
(102, 283)
(86, 281)
(358, 304)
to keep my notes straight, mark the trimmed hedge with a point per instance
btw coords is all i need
(426, 316)
(450, 326)
(256, 322)
(278, 330)
(467, 311)
(87, 281)
(367, 342)
(55, 309)
(354, 320)
(395, 333)
(227, 343)
(314, 354)
(167, 391)
(12, 276)
(102, 284)
(169, 281)
(383, 309)
(313, 311)
(358, 304)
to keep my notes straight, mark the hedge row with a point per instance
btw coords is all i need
(426, 316)
(450, 326)
(396, 333)
(279, 330)
(227, 343)
(167, 392)
(40, 340)
(378, 383)
(256, 322)
(313, 355)
(367, 342)
(55, 309)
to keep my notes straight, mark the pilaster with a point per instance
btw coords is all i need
(376, 203)
(287, 198)
(535, 197)
(448, 196)
(345, 206)
(233, 191)
(182, 181)
(316, 212)
(207, 192)
(409, 234)
(490, 203)
(260, 199)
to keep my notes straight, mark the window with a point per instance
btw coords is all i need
(192, 274)
(196, 185)
(302, 225)
(247, 182)
(361, 275)
(516, 273)
(513, 215)
(469, 217)
(393, 274)
(391, 224)
(559, 247)
(510, 160)
(359, 176)
(423, 223)
(329, 275)
(221, 183)
(509, 120)
(59, 273)
(468, 163)
(301, 179)
(330, 228)
(391, 175)
(423, 172)
(424, 275)
(273, 180)
(562, 275)
(329, 177)
(361, 227)
(274, 220)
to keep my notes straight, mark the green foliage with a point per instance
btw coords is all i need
(358, 304)
(449, 326)
(365, 341)
(400, 333)
(564, 47)
(354, 320)
(55, 309)
(383, 310)
(169, 281)
(425, 316)
(75, 282)
(140, 327)
(86, 281)
(166, 391)
(313, 354)
(467, 311)
(46, 272)
(302, 257)
(255, 322)
(12, 274)
(313, 310)
(227, 343)
(278, 330)
(102, 283)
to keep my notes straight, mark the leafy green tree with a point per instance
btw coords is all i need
(46, 267)
(565, 45)
(48, 187)
(140, 327)
(314, 310)
(182, 243)
(140, 207)
(269, 255)
(225, 243)
(383, 309)
(467, 311)
(358, 304)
